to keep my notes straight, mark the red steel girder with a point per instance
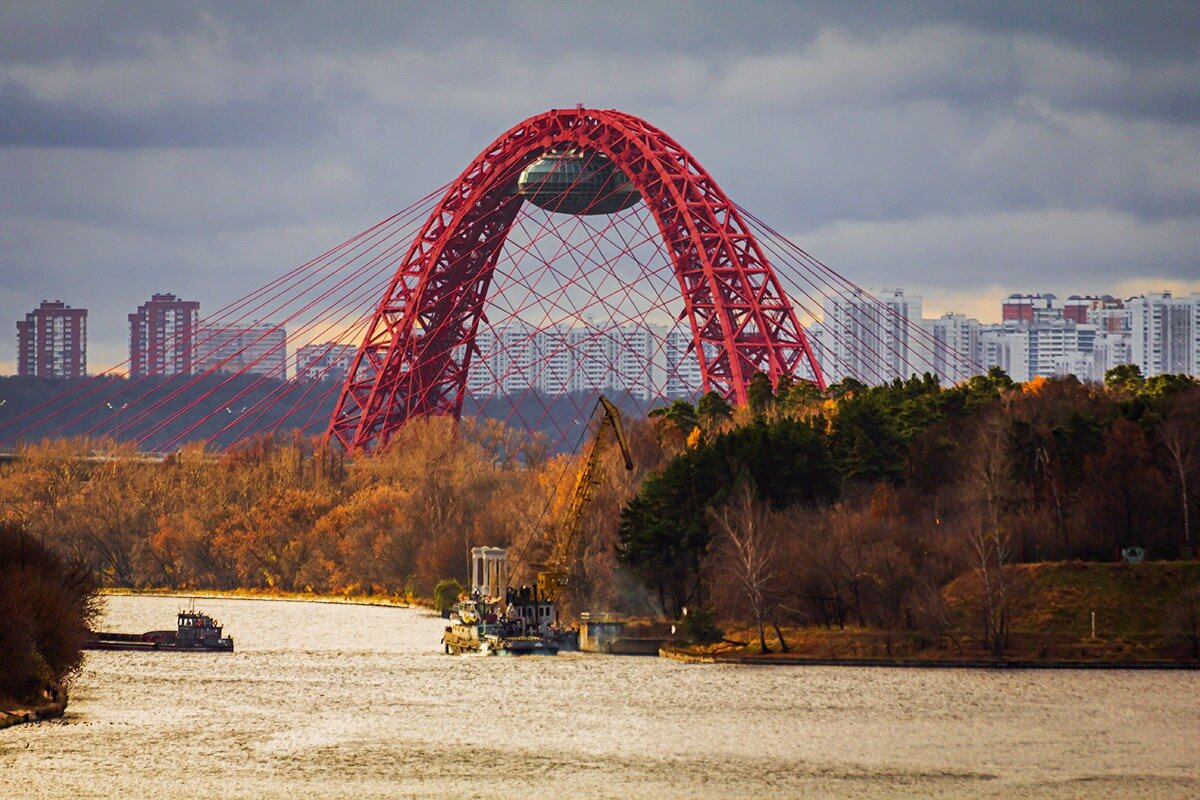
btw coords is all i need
(417, 351)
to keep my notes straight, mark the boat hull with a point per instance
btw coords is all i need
(524, 647)
(498, 646)
(155, 642)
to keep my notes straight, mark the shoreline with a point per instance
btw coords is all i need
(282, 597)
(685, 656)
(688, 655)
(21, 716)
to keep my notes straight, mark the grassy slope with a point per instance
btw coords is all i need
(1137, 618)
(1137, 607)
(1129, 599)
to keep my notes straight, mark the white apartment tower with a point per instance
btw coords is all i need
(1163, 335)
(871, 338)
(560, 359)
(955, 347)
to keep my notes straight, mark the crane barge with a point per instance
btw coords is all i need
(498, 619)
(553, 580)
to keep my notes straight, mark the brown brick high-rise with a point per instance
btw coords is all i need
(52, 341)
(162, 336)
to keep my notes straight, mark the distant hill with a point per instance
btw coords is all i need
(162, 413)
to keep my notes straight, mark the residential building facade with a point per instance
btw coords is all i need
(52, 341)
(325, 361)
(162, 336)
(259, 349)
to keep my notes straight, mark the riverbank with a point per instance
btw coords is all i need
(865, 647)
(19, 713)
(391, 601)
(696, 655)
(1061, 615)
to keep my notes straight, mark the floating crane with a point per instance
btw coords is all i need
(553, 580)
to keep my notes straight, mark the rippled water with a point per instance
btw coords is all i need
(338, 701)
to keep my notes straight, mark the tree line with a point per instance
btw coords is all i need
(285, 513)
(860, 504)
(852, 506)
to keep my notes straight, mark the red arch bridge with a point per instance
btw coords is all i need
(582, 251)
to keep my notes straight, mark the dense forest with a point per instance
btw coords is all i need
(852, 506)
(860, 506)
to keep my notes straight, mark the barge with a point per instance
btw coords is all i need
(194, 632)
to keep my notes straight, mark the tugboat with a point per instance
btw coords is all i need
(194, 631)
(477, 627)
(496, 620)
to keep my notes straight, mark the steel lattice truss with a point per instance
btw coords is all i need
(416, 355)
(479, 299)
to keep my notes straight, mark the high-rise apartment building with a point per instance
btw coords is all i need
(1109, 316)
(1110, 349)
(1006, 347)
(872, 338)
(955, 347)
(560, 359)
(1052, 342)
(1084, 336)
(259, 349)
(325, 361)
(52, 341)
(161, 336)
(1163, 335)
(683, 376)
(1081, 308)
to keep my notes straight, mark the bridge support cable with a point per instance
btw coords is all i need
(363, 281)
(740, 319)
(862, 346)
(94, 387)
(487, 298)
(355, 303)
(792, 259)
(276, 295)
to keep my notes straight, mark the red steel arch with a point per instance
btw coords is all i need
(415, 356)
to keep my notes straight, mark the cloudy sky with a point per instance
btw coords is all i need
(961, 151)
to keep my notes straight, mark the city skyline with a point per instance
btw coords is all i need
(869, 336)
(962, 155)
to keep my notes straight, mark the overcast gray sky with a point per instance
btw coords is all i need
(961, 151)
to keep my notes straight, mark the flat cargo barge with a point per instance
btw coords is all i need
(194, 632)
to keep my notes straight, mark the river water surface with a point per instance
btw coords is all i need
(342, 701)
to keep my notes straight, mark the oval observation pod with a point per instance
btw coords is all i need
(577, 182)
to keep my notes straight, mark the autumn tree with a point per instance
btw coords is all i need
(1180, 436)
(46, 606)
(674, 423)
(760, 395)
(663, 534)
(1124, 377)
(746, 549)
(988, 469)
(1125, 496)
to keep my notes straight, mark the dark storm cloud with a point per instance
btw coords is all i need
(204, 147)
(28, 121)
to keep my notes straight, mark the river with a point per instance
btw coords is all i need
(345, 701)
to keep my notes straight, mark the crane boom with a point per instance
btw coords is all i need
(551, 582)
